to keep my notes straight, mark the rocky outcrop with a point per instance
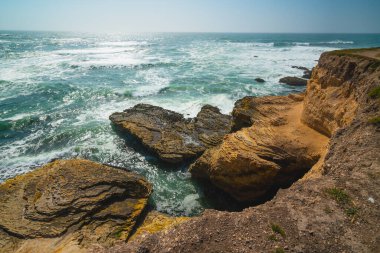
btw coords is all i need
(169, 135)
(70, 205)
(273, 150)
(334, 208)
(306, 72)
(293, 81)
(259, 80)
(156, 222)
(334, 94)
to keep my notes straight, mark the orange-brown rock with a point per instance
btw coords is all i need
(335, 210)
(333, 94)
(70, 204)
(273, 152)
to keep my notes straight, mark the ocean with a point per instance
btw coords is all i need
(57, 91)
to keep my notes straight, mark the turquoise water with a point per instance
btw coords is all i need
(58, 89)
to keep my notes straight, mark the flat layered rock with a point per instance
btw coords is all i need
(169, 135)
(90, 201)
(293, 81)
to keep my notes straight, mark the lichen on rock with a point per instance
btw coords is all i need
(77, 199)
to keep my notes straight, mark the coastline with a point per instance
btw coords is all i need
(330, 208)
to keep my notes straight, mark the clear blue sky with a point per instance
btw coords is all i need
(319, 16)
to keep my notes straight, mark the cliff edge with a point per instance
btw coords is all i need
(334, 207)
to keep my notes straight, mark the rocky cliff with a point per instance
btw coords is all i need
(70, 206)
(331, 133)
(333, 208)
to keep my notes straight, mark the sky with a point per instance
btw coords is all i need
(256, 16)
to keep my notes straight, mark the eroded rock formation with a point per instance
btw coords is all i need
(70, 204)
(274, 150)
(334, 208)
(169, 135)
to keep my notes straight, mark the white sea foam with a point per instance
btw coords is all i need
(123, 43)
(76, 123)
(20, 116)
(302, 43)
(95, 50)
(340, 42)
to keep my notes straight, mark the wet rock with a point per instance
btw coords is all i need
(169, 135)
(306, 72)
(293, 81)
(300, 68)
(73, 200)
(260, 80)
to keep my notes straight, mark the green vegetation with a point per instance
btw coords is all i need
(375, 92)
(328, 210)
(353, 51)
(279, 250)
(339, 196)
(119, 233)
(374, 120)
(357, 54)
(272, 238)
(344, 200)
(352, 211)
(278, 230)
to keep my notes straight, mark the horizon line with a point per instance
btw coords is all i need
(184, 32)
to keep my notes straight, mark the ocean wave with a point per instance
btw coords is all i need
(124, 43)
(339, 42)
(314, 44)
(262, 44)
(301, 43)
(66, 40)
(95, 50)
(127, 65)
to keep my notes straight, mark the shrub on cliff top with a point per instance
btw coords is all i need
(374, 120)
(375, 92)
(278, 229)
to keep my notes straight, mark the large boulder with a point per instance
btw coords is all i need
(171, 136)
(293, 81)
(273, 152)
(77, 201)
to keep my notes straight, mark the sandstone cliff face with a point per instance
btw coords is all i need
(333, 209)
(67, 205)
(339, 84)
(273, 152)
(169, 135)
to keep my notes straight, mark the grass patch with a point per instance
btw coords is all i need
(279, 250)
(339, 196)
(352, 211)
(118, 234)
(344, 201)
(272, 238)
(374, 120)
(353, 51)
(278, 229)
(375, 63)
(375, 92)
(328, 210)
